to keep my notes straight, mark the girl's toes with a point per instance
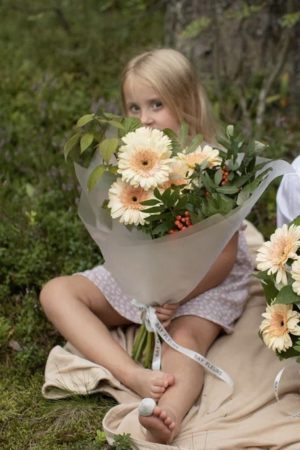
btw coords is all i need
(168, 421)
(163, 415)
(157, 411)
(158, 389)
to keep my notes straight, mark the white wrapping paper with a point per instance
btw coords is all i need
(163, 270)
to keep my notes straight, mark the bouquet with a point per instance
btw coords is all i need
(153, 200)
(278, 264)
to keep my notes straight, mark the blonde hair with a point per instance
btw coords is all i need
(172, 75)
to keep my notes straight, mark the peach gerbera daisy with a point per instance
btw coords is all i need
(274, 254)
(177, 176)
(207, 153)
(125, 203)
(279, 322)
(144, 159)
(295, 273)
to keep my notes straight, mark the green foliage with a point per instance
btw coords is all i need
(290, 20)
(58, 60)
(123, 442)
(194, 28)
(5, 330)
(268, 285)
(100, 438)
(220, 189)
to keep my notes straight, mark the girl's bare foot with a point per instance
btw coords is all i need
(161, 426)
(150, 383)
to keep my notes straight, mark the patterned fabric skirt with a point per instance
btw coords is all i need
(222, 305)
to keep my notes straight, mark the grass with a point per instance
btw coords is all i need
(31, 422)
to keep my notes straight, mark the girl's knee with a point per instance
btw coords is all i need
(53, 290)
(194, 333)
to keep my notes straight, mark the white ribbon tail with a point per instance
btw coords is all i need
(200, 359)
(276, 389)
(277, 382)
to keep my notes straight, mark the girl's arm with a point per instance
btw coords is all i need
(216, 274)
(220, 269)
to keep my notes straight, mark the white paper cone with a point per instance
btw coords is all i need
(156, 271)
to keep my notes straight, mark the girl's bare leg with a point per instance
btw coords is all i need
(197, 334)
(80, 312)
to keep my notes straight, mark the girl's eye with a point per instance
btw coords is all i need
(156, 105)
(134, 109)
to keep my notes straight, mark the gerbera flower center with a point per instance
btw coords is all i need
(282, 251)
(144, 160)
(279, 324)
(132, 197)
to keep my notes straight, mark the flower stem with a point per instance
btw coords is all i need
(148, 352)
(139, 343)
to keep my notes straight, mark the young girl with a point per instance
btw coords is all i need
(161, 88)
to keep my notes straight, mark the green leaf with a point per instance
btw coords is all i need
(183, 134)
(84, 120)
(268, 286)
(218, 177)
(230, 130)
(176, 147)
(287, 296)
(161, 229)
(232, 165)
(243, 196)
(70, 144)
(85, 141)
(154, 210)
(95, 176)
(296, 221)
(113, 123)
(150, 202)
(112, 169)
(112, 116)
(100, 437)
(207, 182)
(227, 189)
(157, 193)
(107, 148)
(196, 141)
(131, 124)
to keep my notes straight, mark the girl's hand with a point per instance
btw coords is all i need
(166, 312)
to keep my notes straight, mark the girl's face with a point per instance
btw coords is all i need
(142, 101)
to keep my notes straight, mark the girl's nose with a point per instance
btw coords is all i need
(146, 118)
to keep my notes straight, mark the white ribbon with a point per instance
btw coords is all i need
(276, 389)
(152, 324)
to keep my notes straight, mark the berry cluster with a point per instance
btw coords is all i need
(225, 176)
(182, 222)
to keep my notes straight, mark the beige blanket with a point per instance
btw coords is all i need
(249, 419)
